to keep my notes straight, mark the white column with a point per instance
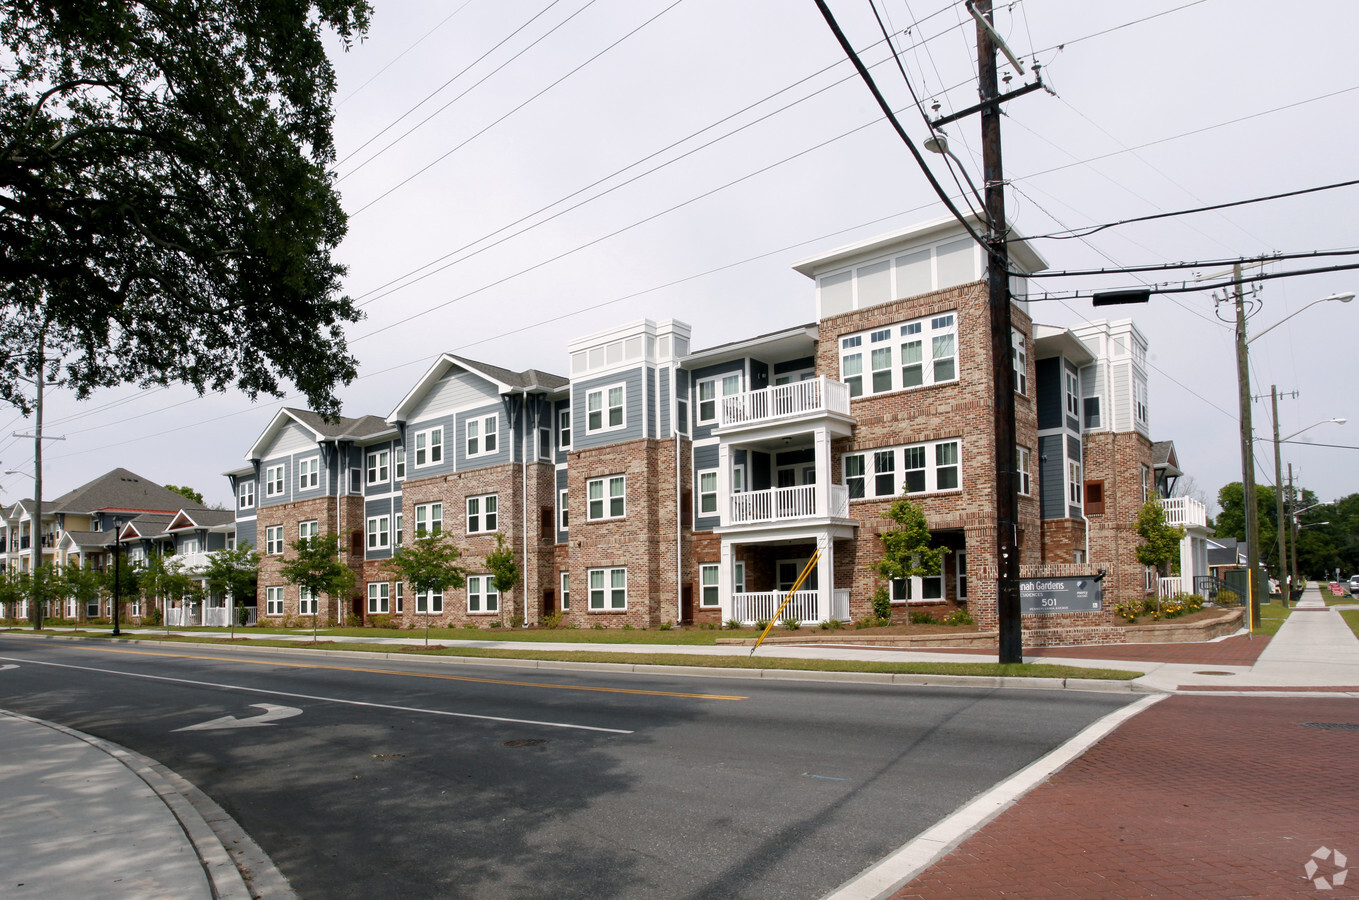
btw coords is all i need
(725, 576)
(825, 577)
(723, 481)
(822, 443)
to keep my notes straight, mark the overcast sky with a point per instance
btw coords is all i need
(553, 169)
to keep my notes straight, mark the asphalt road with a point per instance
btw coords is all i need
(416, 779)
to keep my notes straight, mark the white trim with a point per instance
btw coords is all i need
(606, 498)
(880, 352)
(482, 588)
(273, 538)
(308, 469)
(704, 570)
(379, 533)
(484, 437)
(429, 510)
(563, 519)
(487, 513)
(377, 466)
(382, 597)
(430, 449)
(274, 481)
(901, 460)
(606, 407)
(607, 588)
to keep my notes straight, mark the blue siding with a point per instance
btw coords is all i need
(561, 486)
(1073, 452)
(215, 541)
(726, 368)
(288, 484)
(1048, 392)
(507, 439)
(450, 440)
(1051, 476)
(651, 401)
(663, 397)
(632, 410)
(795, 365)
(705, 458)
(245, 533)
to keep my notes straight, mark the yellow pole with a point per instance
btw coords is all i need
(806, 570)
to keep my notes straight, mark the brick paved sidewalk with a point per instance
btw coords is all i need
(1205, 797)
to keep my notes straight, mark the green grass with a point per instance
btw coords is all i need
(1272, 617)
(1351, 617)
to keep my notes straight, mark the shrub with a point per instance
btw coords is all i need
(1227, 598)
(790, 623)
(496, 624)
(921, 617)
(666, 626)
(553, 621)
(761, 624)
(472, 625)
(152, 616)
(882, 603)
(242, 616)
(627, 627)
(516, 621)
(353, 621)
(733, 624)
(959, 617)
(598, 626)
(832, 625)
(380, 621)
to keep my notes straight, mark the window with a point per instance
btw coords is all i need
(379, 537)
(566, 591)
(707, 493)
(709, 389)
(273, 481)
(739, 583)
(482, 595)
(923, 468)
(707, 578)
(920, 589)
(1094, 498)
(246, 493)
(400, 462)
(608, 588)
(400, 596)
(896, 355)
(1019, 354)
(1073, 475)
(309, 473)
(273, 540)
(564, 428)
(1073, 394)
(1092, 412)
(379, 597)
(356, 481)
(396, 536)
(563, 520)
(1146, 484)
(429, 601)
(962, 576)
(429, 447)
(1140, 400)
(544, 443)
(308, 530)
(481, 435)
(429, 519)
(306, 602)
(606, 497)
(604, 408)
(377, 467)
(1023, 459)
(481, 513)
(273, 600)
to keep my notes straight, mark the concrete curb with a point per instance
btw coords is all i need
(205, 824)
(978, 681)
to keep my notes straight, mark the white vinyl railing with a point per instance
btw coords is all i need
(781, 401)
(1169, 587)
(1184, 511)
(760, 606)
(778, 504)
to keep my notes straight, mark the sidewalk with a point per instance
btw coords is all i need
(1202, 794)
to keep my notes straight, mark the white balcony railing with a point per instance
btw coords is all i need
(1185, 511)
(778, 504)
(782, 401)
(192, 562)
(760, 606)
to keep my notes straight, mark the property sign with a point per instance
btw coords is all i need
(1058, 595)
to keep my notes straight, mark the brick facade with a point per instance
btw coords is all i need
(1118, 459)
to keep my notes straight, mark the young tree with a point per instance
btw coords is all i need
(906, 550)
(186, 492)
(428, 564)
(233, 572)
(504, 570)
(14, 588)
(81, 584)
(316, 567)
(124, 580)
(167, 206)
(1160, 542)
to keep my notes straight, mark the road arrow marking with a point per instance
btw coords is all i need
(8, 666)
(271, 714)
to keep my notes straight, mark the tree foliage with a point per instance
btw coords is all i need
(1160, 542)
(906, 548)
(166, 209)
(504, 570)
(428, 563)
(186, 492)
(233, 571)
(316, 566)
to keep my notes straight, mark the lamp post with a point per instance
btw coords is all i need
(1247, 435)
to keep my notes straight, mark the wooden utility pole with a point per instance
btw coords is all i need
(1247, 456)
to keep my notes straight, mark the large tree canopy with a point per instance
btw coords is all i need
(166, 213)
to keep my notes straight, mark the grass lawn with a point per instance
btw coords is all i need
(1351, 617)
(1272, 616)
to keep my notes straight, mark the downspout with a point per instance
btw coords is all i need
(679, 493)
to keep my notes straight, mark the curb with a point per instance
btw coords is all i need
(205, 824)
(993, 682)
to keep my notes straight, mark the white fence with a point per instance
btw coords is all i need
(775, 504)
(760, 606)
(794, 399)
(1184, 511)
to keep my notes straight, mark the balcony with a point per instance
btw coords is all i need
(814, 396)
(1185, 511)
(192, 562)
(787, 503)
(806, 606)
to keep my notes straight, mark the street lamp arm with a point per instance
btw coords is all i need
(1344, 297)
(1338, 420)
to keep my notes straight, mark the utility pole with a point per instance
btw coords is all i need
(1279, 501)
(1003, 375)
(1293, 526)
(35, 528)
(1247, 455)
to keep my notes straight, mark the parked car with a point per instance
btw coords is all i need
(1354, 585)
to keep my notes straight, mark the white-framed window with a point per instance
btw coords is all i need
(605, 408)
(916, 469)
(1092, 416)
(308, 529)
(738, 584)
(482, 435)
(563, 518)
(709, 392)
(273, 599)
(429, 519)
(377, 466)
(273, 540)
(1073, 394)
(1140, 400)
(429, 601)
(960, 560)
(1023, 461)
(926, 589)
(901, 356)
(308, 473)
(1074, 483)
(396, 530)
(481, 513)
(400, 463)
(707, 493)
(609, 588)
(566, 591)
(429, 447)
(606, 497)
(379, 597)
(738, 479)
(400, 596)
(1146, 484)
(379, 535)
(1020, 356)
(273, 481)
(306, 602)
(482, 595)
(707, 579)
(681, 410)
(564, 428)
(246, 494)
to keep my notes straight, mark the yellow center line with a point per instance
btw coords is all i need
(468, 678)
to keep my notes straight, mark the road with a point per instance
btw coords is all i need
(381, 778)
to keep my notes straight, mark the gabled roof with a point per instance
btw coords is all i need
(1163, 456)
(342, 428)
(146, 526)
(85, 540)
(504, 380)
(120, 490)
(187, 519)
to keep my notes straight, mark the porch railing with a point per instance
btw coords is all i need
(777, 504)
(760, 606)
(1169, 587)
(796, 398)
(1184, 511)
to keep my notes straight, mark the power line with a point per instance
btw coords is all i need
(394, 60)
(1200, 264)
(1186, 288)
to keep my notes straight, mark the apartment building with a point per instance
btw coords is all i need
(657, 483)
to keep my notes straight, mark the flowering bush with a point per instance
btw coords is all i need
(1166, 608)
